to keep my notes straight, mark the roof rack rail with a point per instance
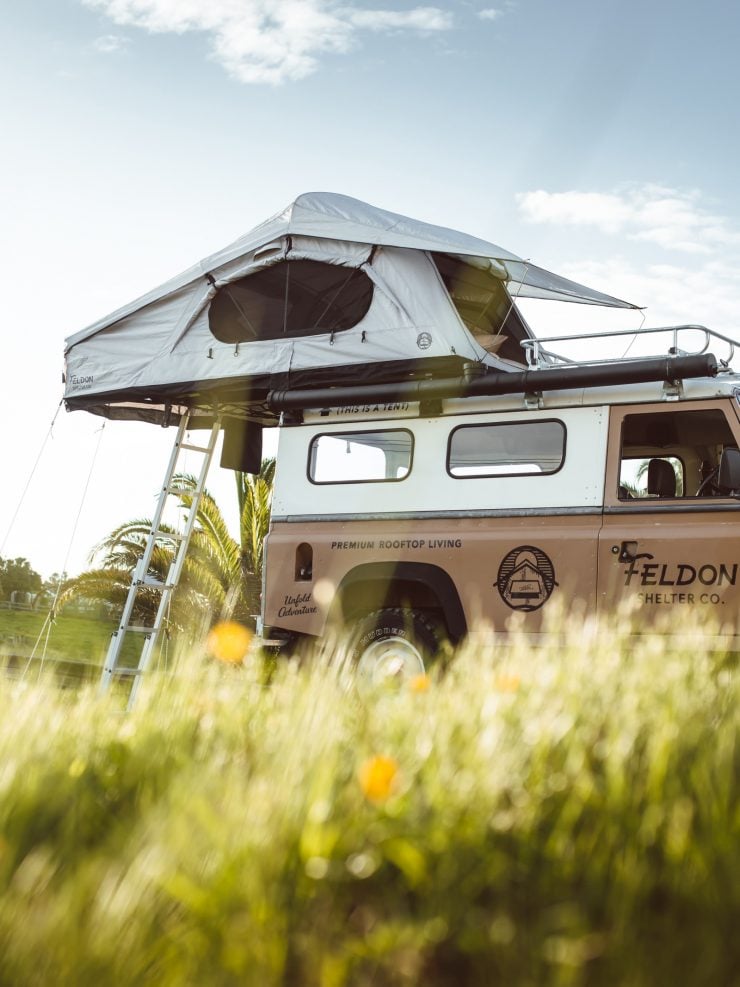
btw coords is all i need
(664, 368)
(540, 357)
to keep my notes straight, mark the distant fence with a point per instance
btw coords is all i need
(76, 607)
(64, 671)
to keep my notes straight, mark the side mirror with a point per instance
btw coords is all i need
(729, 472)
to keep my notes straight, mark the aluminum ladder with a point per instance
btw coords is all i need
(115, 666)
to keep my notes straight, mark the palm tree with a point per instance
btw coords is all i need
(221, 577)
(254, 494)
(641, 476)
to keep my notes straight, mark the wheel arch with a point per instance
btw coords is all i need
(419, 585)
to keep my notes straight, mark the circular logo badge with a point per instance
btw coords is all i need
(424, 340)
(526, 578)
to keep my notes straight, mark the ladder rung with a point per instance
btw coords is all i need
(156, 583)
(142, 577)
(174, 489)
(192, 448)
(174, 535)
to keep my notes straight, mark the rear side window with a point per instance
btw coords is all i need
(506, 449)
(360, 457)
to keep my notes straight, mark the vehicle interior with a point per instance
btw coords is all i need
(665, 456)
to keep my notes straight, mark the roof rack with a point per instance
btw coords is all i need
(666, 369)
(540, 357)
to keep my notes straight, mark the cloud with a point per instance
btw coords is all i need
(607, 212)
(688, 271)
(270, 41)
(671, 218)
(109, 43)
(675, 294)
(418, 19)
(490, 14)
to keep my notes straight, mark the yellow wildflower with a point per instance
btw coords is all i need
(229, 642)
(507, 683)
(419, 683)
(377, 777)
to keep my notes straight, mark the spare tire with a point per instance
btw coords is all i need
(393, 643)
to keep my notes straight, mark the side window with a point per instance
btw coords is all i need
(665, 455)
(360, 457)
(506, 449)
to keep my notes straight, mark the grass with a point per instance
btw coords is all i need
(72, 637)
(558, 817)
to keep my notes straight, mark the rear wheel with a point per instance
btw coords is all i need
(393, 645)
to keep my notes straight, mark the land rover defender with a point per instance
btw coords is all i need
(404, 523)
(437, 464)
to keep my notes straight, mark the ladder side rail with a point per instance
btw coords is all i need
(178, 562)
(117, 638)
(164, 492)
(176, 567)
(142, 567)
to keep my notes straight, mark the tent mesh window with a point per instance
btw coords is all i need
(485, 306)
(292, 298)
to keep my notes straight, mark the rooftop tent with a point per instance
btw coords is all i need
(331, 290)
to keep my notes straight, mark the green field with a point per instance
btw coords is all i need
(72, 638)
(567, 816)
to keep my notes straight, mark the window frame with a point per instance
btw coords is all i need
(684, 497)
(505, 424)
(618, 412)
(343, 435)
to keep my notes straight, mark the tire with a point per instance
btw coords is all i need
(393, 645)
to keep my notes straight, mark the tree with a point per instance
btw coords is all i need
(220, 577)
(254, 494)
(641, 476)
(17, 576)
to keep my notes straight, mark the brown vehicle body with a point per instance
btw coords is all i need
(499, 507)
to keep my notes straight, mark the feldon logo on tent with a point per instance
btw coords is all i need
(81, 382)
(424, 340)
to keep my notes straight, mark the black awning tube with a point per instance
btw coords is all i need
(667, 369)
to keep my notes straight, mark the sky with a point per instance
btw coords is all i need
(600, 140)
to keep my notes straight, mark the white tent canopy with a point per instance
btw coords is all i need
(329, 290)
